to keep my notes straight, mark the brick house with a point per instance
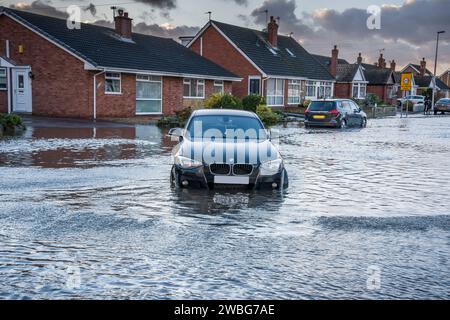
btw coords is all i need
(356, 80)
(423, 81)
(445, 78)
(97, 72)
(274, 66)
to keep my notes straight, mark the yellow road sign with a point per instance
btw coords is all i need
(406, 83)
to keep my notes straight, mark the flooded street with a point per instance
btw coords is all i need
(87, 212)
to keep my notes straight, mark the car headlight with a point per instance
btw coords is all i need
(270, 168)
(187, 163)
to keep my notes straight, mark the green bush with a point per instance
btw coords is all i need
(183, 115)
(372, 99)
(223, 101)
(252, 101)
(267, 116)
(306, 103)
(11, 122)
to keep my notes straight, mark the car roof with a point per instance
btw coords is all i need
(330, 100)
(223, 112)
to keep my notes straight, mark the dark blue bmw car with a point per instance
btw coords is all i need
(226, 148)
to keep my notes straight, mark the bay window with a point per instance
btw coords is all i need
(310, 89)
(275, 92)
(113, 83)
(194, 88)
(359, 90)
(294, 92)
(148, 94)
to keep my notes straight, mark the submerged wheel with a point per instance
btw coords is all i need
(285, 179)
(174, 183)
(343, 124)
(364, 123)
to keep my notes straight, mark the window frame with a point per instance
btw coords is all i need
(358, 86)
(119, 78)
(150, 79)
(221, 85)
(275, 95)
(258, 78)
(296, 83)
(198, 82)
(6, 79)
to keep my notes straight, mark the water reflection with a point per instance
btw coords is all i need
(58, 143)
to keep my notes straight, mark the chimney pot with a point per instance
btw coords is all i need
(123, 24)
(272, 30)
(334, 61)
(423, 67)
(359, 60)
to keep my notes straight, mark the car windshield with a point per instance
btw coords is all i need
(226, 127)
(322, 106)
(444, 101)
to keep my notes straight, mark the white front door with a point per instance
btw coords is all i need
(21, 90)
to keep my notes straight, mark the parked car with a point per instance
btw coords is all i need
(338, 113)
(416, 100)
(443, 105)
(226, 148)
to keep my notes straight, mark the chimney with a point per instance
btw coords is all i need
(334, 61)
(123, 24)
(423, 67)
(359, 60)
(381, 61)
(272, 30)
(393, 65)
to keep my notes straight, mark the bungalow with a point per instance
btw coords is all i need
(356, 80)
(49, 69)
(274, 66)
(423, 81)
(445, 78)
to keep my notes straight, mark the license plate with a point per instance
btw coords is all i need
(319, 117)
(231, 180)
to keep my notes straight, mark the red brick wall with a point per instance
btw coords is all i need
(3, 101)
(343, 90)
(116, 105)
(61, 86)
(380, 91)
(220, 51)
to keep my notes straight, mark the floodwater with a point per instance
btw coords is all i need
(87, 212)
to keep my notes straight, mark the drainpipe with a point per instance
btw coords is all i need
(8, 79)
(95, 93)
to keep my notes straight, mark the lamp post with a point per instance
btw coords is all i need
(435, 67)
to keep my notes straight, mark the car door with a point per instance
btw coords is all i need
(356, 114)
(347, 112)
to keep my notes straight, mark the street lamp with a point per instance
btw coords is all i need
(435, 67)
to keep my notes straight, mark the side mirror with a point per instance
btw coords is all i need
(176, 134)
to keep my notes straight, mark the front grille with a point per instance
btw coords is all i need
(220, 168)
(242, 169)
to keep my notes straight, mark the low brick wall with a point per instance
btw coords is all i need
(380, 112)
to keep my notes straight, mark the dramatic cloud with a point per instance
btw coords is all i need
(41, 7)
(165, 30)
(416, 21)
(161, 4)
(407, 33)
(285, 10)
(239, 2)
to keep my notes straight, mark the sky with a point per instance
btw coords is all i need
(407, 31)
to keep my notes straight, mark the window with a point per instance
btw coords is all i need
(294, 92)
(254, 86)
(113, 83)
(310, 89)
(218, 87)
(194, 88)
(359, 90)
(290, 53)
(148, 94)
(275, 92)
(325, 90)
(3, 80)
